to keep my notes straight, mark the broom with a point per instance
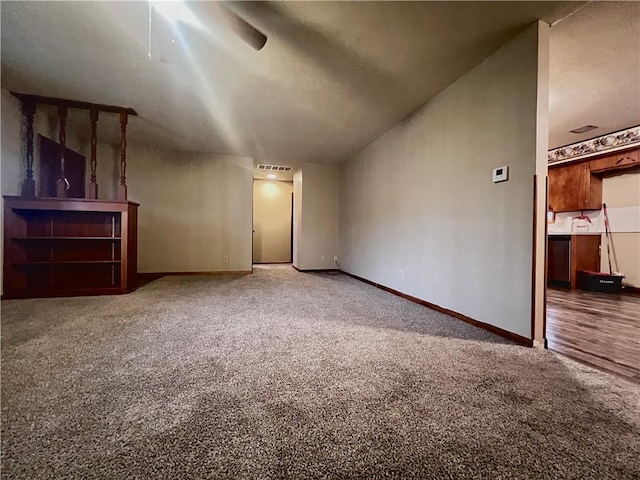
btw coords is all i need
(607, 231)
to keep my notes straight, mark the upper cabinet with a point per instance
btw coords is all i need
(578, 186)
(617, 161)
(573, 187)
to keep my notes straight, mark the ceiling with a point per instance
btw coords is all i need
(594, 74)
(332, 77)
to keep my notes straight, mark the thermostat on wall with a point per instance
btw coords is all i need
(500, 174)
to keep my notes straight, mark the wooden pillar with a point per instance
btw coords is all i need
(29, 184)
(93, 186)
(122, 190)
(63, 185)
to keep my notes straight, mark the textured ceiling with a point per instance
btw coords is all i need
(332, 77)
(594, 71)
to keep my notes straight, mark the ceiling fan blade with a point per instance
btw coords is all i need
(225, 16)
(244, 29)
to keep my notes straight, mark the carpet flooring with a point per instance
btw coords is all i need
(282, 374)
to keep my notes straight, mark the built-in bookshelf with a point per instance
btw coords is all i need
(67, 247)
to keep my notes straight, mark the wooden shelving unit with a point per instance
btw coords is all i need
(66, 247)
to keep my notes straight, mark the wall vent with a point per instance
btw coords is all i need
(586, 128)
(274, 168)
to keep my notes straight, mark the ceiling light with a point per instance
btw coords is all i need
(586, 128)
(271, 176)
(174, 11)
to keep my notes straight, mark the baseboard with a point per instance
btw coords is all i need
(156, 275)
(316, 270)
(514, 337)
(631, 290)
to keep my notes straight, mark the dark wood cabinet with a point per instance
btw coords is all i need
(570, 254)
(61, 247)
(573, 188)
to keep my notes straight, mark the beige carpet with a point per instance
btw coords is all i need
(282, 374)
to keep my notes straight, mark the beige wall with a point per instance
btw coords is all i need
(195, 210)
(316, 217)
(419, 212)
(11, 168)
(623, 191)
(297, 216)
(272, 221)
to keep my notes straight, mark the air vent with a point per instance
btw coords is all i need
(586, 128)
(274, 168)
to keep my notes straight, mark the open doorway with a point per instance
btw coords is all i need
(593, 265)
(594, 160)
(272, 221)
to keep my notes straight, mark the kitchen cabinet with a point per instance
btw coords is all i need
(573, 188)
(616, 161)
(570, 254)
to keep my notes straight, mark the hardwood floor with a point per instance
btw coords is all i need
(600, 329)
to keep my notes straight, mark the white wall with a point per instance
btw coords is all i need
(195, 209)
(272, 221)
(419, 201)
(316, 198)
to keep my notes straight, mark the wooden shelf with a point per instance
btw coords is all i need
(69, 262)
(68, 238)
(65, 292)
(66, 247)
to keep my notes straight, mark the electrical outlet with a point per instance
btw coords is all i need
(225, 259)
(335, 258)
(401, 274)
(322, 258)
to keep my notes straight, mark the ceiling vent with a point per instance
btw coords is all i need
(273, 168)
(586, 128)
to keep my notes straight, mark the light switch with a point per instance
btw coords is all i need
(500, 174)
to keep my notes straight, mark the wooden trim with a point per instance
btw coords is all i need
(93, 120)
(546, 262)
(156, 275)
(82, 292)
(73, 204)
(37, 99)
(122, 188)
(534, 256)
(29, 184)
(316, 270)
(630, 290)
(514, 337)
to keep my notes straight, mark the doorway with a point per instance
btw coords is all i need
(593, 317)
(272, 221)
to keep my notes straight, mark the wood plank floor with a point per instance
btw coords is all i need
(600, 329)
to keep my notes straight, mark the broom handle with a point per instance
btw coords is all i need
(608, 240)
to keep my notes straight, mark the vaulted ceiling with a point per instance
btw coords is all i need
(332, 77)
